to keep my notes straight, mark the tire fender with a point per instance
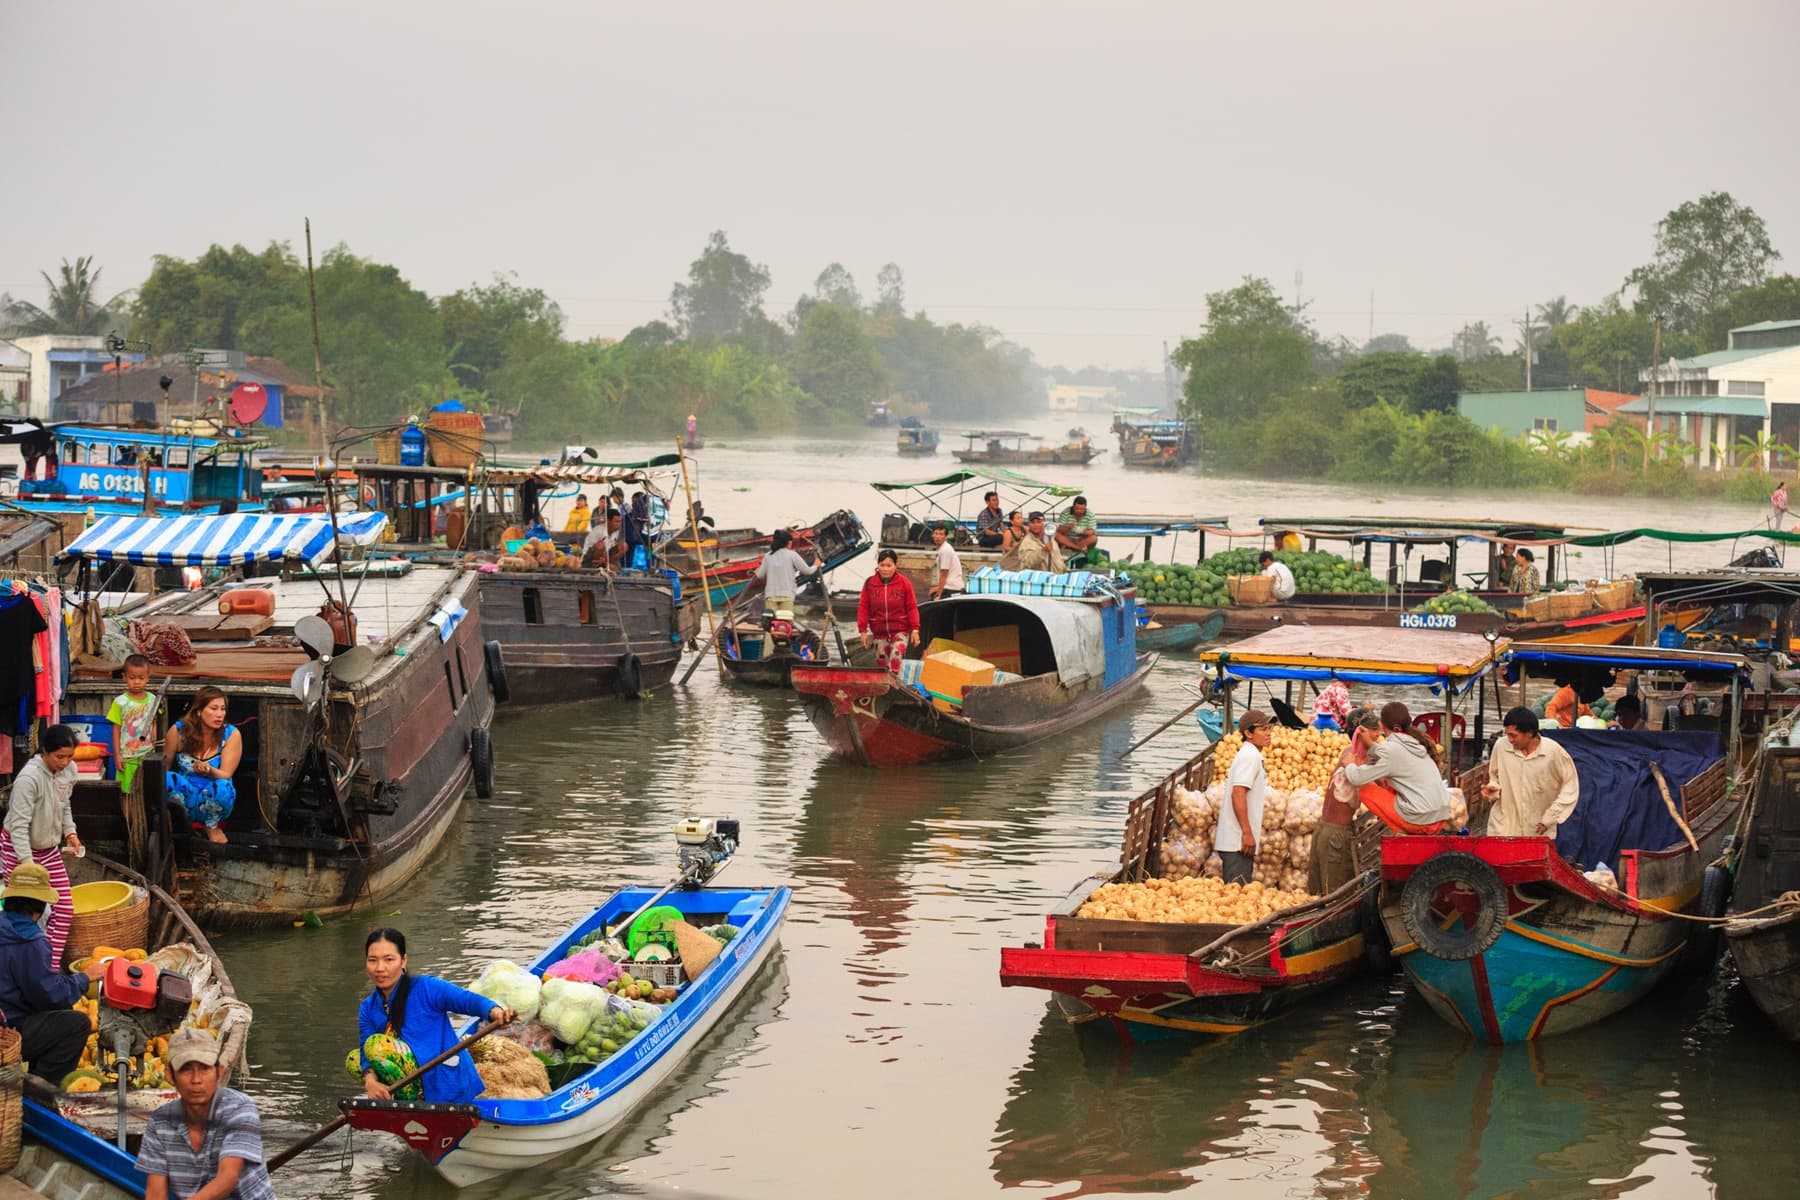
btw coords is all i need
(496, 672)
(481, 762)
(1461, 869)
(1702, 949)
(630, 678)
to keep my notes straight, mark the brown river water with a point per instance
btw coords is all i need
(878, 1055)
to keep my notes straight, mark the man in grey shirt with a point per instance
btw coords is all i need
(780, 570)
(990, 523)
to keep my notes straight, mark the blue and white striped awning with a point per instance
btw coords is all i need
(214, 541)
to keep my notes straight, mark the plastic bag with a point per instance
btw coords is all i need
(1214, 868)
(569, 1008)
(618, 1021)
(1182, 857)
(589, 966)
(510, 986)
(535, 1036)
(1602, 876)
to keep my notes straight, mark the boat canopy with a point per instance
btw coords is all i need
(1415, 530)
(1556, 655)
(637, 472)
(220, 541)
(1067, 636)
(1748, 586)
(1013, 434)
(206, 447)
(1358, 654)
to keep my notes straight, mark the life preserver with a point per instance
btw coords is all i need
(481, 762)
(496, 672)
(1478, 931)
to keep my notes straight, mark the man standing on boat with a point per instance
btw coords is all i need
(1240, 819)
(1531, 781)
(990, 525)
(1279, 571)
(1077, 533)
(947, 568)
(1038, 552)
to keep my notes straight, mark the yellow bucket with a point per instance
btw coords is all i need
(91, 898)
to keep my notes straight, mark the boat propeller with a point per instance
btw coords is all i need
(308, 681)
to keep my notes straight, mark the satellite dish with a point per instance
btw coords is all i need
(315, 634)
(308, 682)
(354, 664)
(248, 403)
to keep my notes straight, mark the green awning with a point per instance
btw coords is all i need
(988, 475)
(1672, 535)
(1704, 406)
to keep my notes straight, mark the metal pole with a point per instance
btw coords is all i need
(712, 628)
(312, 297)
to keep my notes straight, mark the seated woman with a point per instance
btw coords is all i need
(415, 1010)
(1414, 799)
(201, 755)
(1565, 706)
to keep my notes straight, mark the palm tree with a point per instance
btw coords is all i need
(1553, 442)
(1557, 311)
(1759, 445)
(73, 305)
(1475, 341)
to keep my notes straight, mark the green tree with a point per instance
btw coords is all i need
(1776, 298)
(1253, 350)
(1557, 312)
(487, 328)
(1706, 250)
(1389, 375)
(1389, 343)
(724, 290)
(231, 299)
(1474, 342)
(836, 285)
(72, 304)
(890, 292)
(1437, 385)
(836, 364)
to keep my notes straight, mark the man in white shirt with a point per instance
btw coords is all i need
(1531, 780)
(1247, 786)
(948, 567)
(1277, 570)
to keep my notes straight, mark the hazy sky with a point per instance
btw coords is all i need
(1078, 176)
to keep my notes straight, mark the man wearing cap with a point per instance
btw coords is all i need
(34, 998)
(1038, 552)
(1077, 532)
(948, 567)
(208, 1143)
(1240, 820)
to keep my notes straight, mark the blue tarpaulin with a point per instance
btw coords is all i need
(1621, 807)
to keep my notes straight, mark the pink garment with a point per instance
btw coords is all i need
(6, 754)
(1333, 701)
(63, 911)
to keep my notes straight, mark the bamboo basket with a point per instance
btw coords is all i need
(12, 1104)
(387, 448)
(1566, 606)
(1611, 597)
(453, 439)
(125, 927)
(1250, 589)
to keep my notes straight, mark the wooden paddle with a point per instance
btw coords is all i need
(324, 1131)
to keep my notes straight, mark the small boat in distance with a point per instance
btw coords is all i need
(1006, 447)
(1158, 445)
(878, 413)
(914, 439)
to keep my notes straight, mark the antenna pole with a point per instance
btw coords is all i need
(312, 298)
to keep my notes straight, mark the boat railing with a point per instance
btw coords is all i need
(1147, 818)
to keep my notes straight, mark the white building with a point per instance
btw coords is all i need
(59, 361)
(1079, 398)
(1748, 390)
(15, 375)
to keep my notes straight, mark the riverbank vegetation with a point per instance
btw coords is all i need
(1276, 399)
(390, 349)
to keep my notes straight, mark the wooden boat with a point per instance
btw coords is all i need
(1156, 445)
(1163, 638)
(878, 413)
(1070, 661)
(340, 800)
(733, 556)
(766, 657)
(1507, 938)
(70, 1142)
(914, 439)
(1601, 629)
(469, 1143)
(131, 471)
(1006, 447)
(497, 427)
(1150, 980)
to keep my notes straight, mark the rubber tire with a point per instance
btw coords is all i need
(1378, 951)
(630, 678)
(1703, 944)
(481, 762)
(1453, 866)
(496, 672)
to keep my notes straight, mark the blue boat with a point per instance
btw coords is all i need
(109, 470)
(914, 439)
(1515, 938)
(469, 1143)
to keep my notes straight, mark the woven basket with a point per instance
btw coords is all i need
(1566, 606)
(454, 438)
(1250, 589)
(12, 1104)
(1611, 597)
(124, 927)
(387, 448)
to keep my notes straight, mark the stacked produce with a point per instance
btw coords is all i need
(1188, 901)
(1314, 570)
(1283, 846)
(1171, 584)
(1455, 602)
(98, 1072)
(1294, 758)
(538, 554)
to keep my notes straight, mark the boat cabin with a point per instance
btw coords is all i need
(112, 471)
(1442, 548)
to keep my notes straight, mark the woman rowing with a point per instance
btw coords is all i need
(414, 1010)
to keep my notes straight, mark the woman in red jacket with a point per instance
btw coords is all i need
(888, 612)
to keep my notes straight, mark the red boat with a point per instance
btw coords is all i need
(1066, 663)
(1159, 979)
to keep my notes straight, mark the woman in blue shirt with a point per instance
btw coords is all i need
(416, 1009)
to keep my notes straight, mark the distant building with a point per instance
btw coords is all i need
(1574, 411)
(15, 377)
(1079, 398)
(135, 395)
(1747, 390)
(60, 361)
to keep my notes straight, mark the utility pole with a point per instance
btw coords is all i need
(1526, 329)
(1655, 374)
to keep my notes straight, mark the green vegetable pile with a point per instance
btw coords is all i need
(1175, 583)
(609, 1031)
(1455, 602)
(1314, 570)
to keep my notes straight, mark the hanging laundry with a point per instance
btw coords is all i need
(20, 624)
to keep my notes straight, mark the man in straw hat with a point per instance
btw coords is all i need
(208, 1142)
(34, 997)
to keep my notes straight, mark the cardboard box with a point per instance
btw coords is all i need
(947, 673)
(998, 644)
(939, 645)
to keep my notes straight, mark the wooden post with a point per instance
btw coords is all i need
(712, 628)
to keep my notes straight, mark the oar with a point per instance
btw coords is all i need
(324, 1131)
(1184, 712)
(701, 653)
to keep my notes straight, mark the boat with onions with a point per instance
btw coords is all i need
(362, 700)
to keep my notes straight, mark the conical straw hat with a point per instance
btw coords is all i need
(697, 949)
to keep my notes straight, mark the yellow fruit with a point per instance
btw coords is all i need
(106, 952)
(136, 955)
(85, 1085)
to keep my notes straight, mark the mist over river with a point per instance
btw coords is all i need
(879, 1057)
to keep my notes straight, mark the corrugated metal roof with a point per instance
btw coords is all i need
(1718, 358)
(1718, 406)
(1764, 325)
